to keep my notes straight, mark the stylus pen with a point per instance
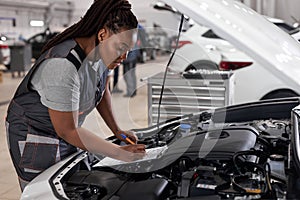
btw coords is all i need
(127, 139)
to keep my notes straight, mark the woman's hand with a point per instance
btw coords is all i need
(133, 152)
(135, 148)
(129, 134)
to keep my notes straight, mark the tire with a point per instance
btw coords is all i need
(280, 94)
(203, 64)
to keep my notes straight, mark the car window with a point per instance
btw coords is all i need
(287, 28)
(211, 34)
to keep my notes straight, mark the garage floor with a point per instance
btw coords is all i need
(129, 112)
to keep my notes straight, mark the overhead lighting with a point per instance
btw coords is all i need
(36, 23)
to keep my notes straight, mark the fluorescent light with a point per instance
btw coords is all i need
(36, 23)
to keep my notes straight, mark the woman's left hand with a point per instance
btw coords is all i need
(129, 134)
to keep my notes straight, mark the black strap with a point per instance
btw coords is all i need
(74, 60)
(80, 52)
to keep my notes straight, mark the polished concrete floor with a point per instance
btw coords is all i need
(129, 112)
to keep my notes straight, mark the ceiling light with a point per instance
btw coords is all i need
(37, 23)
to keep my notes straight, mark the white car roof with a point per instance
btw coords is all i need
(263, 41)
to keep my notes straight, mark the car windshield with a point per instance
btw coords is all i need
(283, 26)
(211, 34)
(287, 28)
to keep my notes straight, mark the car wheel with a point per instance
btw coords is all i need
(202, 64)
(280, 94)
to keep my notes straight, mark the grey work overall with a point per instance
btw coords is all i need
(33, 143)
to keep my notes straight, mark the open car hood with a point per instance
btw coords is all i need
(249, 31)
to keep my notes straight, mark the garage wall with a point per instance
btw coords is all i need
(141, 8)
(80, 7)
(61, 13)
(148, 16)
(16, 15)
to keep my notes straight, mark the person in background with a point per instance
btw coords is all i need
(65, 84)
(129, 66)
(116, 88)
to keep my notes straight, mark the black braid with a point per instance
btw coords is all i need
(113, 14)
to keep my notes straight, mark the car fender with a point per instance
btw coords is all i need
(181, 61)
(257, 83)
(280, 93)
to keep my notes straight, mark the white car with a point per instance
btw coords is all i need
(4, 50)
(248, 151)
(6, 43)
(200, 48)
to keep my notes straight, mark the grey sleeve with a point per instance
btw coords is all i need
(57, 82)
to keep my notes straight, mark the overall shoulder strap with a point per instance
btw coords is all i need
(73, 59)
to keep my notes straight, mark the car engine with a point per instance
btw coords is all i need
(246, 160)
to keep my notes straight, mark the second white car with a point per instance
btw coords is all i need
(200, 48)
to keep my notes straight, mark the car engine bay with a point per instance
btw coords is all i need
(246, 160)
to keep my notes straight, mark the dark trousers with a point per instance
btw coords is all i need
(116, 76)
(130, 77)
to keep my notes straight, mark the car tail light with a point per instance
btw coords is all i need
(226, 65)
(180, 44)
(2, 46)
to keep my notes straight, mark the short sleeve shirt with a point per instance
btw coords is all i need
(64, 88)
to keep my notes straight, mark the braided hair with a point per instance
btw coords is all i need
(113, 14)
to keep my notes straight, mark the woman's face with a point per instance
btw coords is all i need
(114, 47)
